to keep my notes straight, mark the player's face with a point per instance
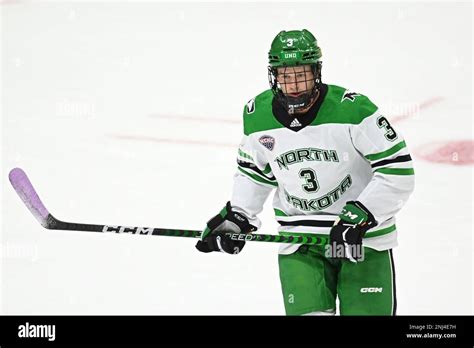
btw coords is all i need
(295, 80)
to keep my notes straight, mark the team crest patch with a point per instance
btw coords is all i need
(267, 141)
(348, 95)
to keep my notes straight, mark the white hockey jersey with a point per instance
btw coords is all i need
(342, 150)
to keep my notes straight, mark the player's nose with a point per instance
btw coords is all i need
(292, 87)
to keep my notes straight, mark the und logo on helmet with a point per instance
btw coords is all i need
(251, 106)
(267, 141)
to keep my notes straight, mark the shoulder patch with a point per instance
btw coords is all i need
(267, 141)
(349, 95)
(251, 106)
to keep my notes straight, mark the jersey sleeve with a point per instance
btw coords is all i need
(253, 181)
(393, 174)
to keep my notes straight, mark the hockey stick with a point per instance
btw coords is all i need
(28, 195)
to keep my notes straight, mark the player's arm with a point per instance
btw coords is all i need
(393, 174)
(253, 182)
(392, 183)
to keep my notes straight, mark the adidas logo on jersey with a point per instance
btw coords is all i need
(295, 123)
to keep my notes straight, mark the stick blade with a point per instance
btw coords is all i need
(28, 195)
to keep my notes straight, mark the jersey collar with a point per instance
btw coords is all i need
(299, 121)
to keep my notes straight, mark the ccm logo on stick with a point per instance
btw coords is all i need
(123, 229)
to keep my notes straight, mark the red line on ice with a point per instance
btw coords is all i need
(455, 152)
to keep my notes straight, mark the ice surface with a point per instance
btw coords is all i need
(129, 114)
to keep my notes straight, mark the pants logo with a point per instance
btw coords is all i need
(371, 290)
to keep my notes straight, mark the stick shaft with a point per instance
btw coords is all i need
(55, 224)
(28, 195)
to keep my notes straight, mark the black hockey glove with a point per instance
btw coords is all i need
(347, 232)
(214, 237)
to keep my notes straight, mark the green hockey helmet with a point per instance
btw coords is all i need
(290, 49)
(296, 47)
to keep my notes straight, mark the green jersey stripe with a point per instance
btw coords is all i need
(251, 168)
(386, 153)
(267, 169)
(258, 178)
(242, 154)
(245, 155)
(396, 171)
(278, 212)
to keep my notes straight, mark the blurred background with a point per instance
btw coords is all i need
(130, 114)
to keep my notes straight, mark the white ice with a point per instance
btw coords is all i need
(97, 107)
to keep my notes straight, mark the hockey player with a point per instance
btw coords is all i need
(340, 171)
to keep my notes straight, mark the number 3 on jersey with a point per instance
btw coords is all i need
(311, 183)
(390, 133)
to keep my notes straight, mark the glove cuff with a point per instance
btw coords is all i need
(355, 212)
(239, 219)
